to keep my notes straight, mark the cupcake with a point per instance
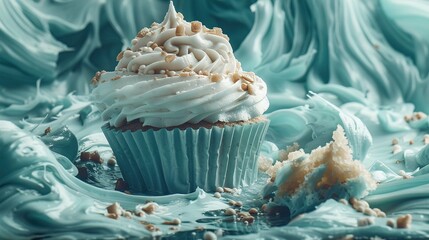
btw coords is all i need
(180, 111)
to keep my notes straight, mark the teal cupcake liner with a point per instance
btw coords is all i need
(165, 161)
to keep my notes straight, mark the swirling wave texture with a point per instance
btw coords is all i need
(366, 60)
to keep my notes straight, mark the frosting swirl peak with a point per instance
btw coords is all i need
(178, 72)
(175, 45)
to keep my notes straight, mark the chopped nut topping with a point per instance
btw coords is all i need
(115, 208)
(250, 89)
(404, 175)
(111, 162)
(365, 222)
(229, 212)
(217, 31)
(170, 58)
(228, 190)
(404, 221)
(196, 26)
(143, 32)
(116, 77)
(120, 56)
(247, 78)
(180, 30)
(215, 77)
(150, 208)
(151, 227)
(419, 115)
(121, 185)
(85, 156)
(235, 77)
(171, 73)
(253, 211)
(112, 215)
(179, 15)
(47, 130)
(175, 221)
(127, 214)
(95, 157)
(184, 74)
(219, 190)
(408, 118)
(396, 148)
(187, 69)
(154, 45)
(96, 77)
(390, 223)
(244, 86)
(164, 53)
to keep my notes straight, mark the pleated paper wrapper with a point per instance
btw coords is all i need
(165, 161)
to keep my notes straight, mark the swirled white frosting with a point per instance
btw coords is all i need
(178, 72)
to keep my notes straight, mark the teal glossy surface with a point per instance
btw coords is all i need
(366, 59)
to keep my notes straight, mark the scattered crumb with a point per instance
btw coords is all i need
(404, 174)
(175, 222)
(47, 131)
(230, 212)
(250, 89)
(96, 77)
(111, 162)
(390, 223)
(209, 236)
(121, 185)
(116, 77)
(253, 211)
(150, 208)
(170, 58)
(115, 208)
(219, 189)
(404, 221)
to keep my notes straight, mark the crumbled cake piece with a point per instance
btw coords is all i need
(328, 172)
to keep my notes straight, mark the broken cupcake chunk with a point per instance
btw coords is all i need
(303, 181)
